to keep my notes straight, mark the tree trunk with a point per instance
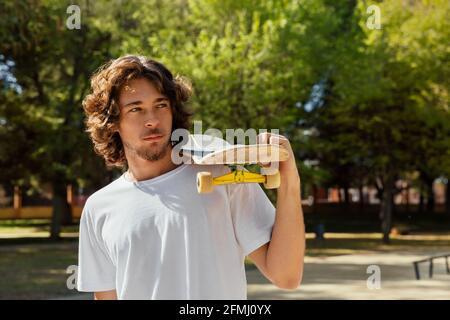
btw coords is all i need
(346, 196)
(62, 214)
(407, 200)
(386, 211)
(447, 198)
(393, 207)
(430, 197)
(314, 206)
(361, 199)
(421, 200)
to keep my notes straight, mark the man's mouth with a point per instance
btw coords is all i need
(153, 137)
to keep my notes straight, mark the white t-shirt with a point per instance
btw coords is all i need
(160, 239)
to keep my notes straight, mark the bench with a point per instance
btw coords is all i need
(430, 261)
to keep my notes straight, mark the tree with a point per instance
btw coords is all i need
(369, 123)
(52, 66)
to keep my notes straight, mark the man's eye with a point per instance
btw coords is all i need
(135, 109)
(163, 105)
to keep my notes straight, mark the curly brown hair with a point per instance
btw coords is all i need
(102, 109)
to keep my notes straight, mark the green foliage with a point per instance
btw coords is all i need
(253, 65)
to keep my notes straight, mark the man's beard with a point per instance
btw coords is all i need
(150, 153)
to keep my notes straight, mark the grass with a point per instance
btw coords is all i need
(31, 265)
(338, 244)
(352, 234)
(31, 231)
(36, 271)
(370, 223)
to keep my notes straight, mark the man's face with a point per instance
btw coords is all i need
(145, 122)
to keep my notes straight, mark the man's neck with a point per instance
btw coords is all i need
(140, 169)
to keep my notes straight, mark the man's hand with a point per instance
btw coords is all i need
(281, 260)
(288, 169)
(105, 295)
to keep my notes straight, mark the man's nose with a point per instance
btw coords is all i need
(151, 121)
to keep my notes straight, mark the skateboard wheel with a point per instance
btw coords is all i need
(204, 182)
(272, 181)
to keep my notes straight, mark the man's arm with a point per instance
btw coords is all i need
(281, 260)
(105, 295)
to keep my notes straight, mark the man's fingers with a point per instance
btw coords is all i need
(263, 138)
(270, 138)
(274, 139)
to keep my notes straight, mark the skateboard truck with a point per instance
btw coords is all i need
(206, 182)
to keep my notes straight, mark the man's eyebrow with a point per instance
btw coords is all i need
(139, 102)
(160, 99)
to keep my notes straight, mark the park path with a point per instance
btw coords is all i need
(345, 277)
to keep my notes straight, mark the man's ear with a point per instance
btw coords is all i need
(116, 128)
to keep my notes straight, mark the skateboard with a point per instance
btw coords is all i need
(208, 150)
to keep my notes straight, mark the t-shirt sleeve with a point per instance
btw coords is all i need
(253, 216)
(96, 272)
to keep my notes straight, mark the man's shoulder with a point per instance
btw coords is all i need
(104, 195)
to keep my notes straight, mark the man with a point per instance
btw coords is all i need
(149, 234)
